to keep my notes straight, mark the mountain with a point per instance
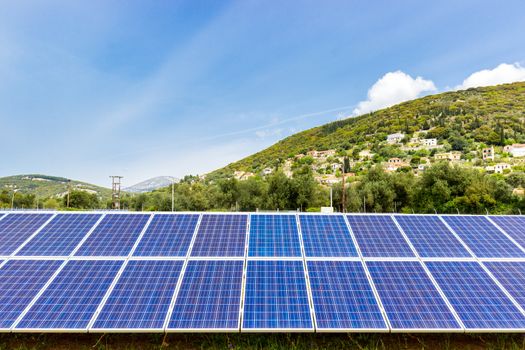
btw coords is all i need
(44, 186)
(492, 115)
(151, 184)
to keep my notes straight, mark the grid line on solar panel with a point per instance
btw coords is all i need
(514, 226)
(378, 236)
(326, 236)
(141, 297)
(430, 237)
(72, 298)
(478, 300)
(409, 298)
(20, 282)
(209, 296)
(274, 236)
(115, 235)
(343, 297)
(15, 229)
(512, 276)
(168, 235)
(221, 235)
(483, 238)
(60, 236)
(276, 296)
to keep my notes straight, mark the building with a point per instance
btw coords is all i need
(394, 163)
(498, 168)
(488, 153)
(322, 154)
(366, 154)
(429, 142)
(242, 175)
(517, 150)
(453, 156)
(395, 138)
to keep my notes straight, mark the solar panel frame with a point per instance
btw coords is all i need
(511, 275)
(319, 231)
(483, 238)
(21, 238)
(230, 237)
(513, 226)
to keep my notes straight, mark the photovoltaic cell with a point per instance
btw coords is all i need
(342, 296)
(72, 298)
(514, 226)
(479, 301)
(326, 236)
(60, 236)
(483, 238)
(167, 235)
(274, 236)
(20, 282)
(408, 296)
(430, 237)
(378, 236)
(276, 296)
(141, 297)
(221, 235)
(15, 229)
(114, 236)
(209, 297)
(512, 276)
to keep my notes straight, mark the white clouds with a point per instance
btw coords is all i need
(504, 73)
(393, 88)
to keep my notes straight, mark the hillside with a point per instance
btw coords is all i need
(151, 184)
(44, 186)
(459, 120)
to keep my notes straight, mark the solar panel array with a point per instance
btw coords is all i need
(210, 272)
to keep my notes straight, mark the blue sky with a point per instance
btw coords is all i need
(146, 88)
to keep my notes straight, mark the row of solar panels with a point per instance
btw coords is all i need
(220, 235)
(331, 281)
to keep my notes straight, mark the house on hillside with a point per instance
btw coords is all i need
(366, 154)
(429, 142)
(517, 150)
(488, 153)
(395, 138)
(453, 156)
(393, 164)
(498, 168)
(242, 175)
(322, 154)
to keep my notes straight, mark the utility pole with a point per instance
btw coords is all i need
(172, 194)
(115, 186)
(68, 191)
(13, 198)
(344, 195)
(331, 198)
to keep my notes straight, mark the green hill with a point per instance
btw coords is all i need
(490, 115)
(44, 186)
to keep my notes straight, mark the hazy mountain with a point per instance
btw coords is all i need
(151, 184)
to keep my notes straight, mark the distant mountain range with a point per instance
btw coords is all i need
(151, 184)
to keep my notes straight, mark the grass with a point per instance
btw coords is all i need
(261, 341)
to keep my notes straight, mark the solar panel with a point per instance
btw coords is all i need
(326, 236)
(479, 301)
(167, 235)
(409, 298)
(483, 238)
(72, 298)
(342, 296)
(431, 237)
(20, 282)
(114, 236)
(209, 296)
(221, 235)
(60, 236)
(514, 226)
(274, 236)
(15, 229)
(276, 296)
(378, 236)
(141, 297)
(512, 276)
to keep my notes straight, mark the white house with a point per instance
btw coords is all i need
(488, 153)
(517, 150)
(498, 168)
(429, 142)
(395, 138)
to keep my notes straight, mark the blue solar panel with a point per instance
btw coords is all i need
(15, 229)
(114, 236)
(61, 235)
(209, 297)
(514, 226)
(430, 237)
(167, 235)
(483, 238)
(479, 302)
(221, 235)
(276, 296)
(378, 236)
(72, 298)
(20, 282)
(512, 276)
(141, 297)
(326, 235)
(409, 298)
(343, 298)
(273, 236)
